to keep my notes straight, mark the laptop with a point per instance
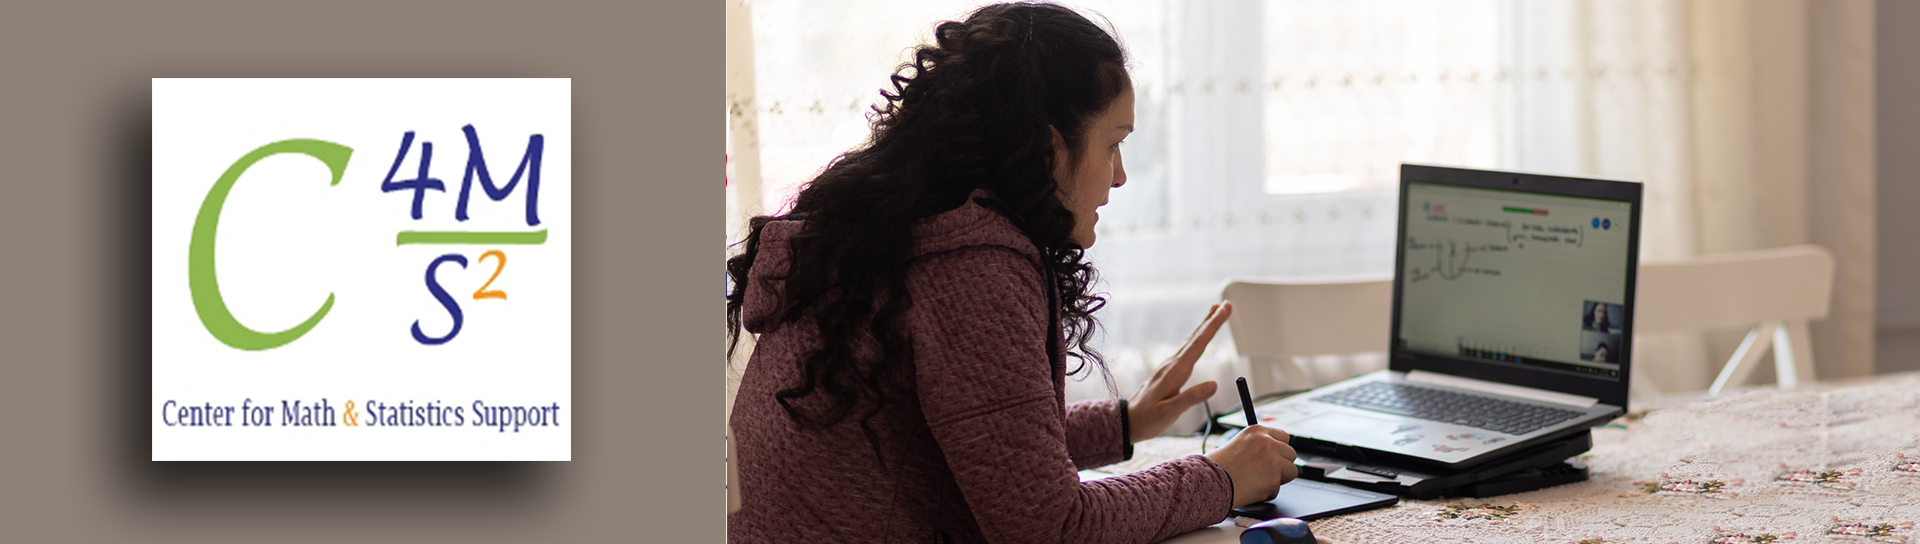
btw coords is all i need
(1512, 323)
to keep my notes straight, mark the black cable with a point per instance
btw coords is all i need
(1209, 429)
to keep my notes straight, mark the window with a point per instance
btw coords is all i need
(1270, 133)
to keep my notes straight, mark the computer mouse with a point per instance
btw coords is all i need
(1278, 531)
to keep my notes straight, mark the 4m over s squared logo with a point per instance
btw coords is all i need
(204, 280)
(362, 269)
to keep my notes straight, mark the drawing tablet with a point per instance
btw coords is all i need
(1310, 500)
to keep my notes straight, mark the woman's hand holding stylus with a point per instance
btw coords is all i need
(1259, 461)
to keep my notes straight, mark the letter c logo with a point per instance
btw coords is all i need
(201, 277)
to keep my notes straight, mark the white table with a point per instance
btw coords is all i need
(1834, 462)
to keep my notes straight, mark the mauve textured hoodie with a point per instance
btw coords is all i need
(981, 448)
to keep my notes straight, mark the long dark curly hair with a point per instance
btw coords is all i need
(972, 110)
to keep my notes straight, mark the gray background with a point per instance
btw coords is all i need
(1896, 75)
(75, 141)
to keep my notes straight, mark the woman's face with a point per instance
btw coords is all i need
(1084, 186)
(1600, 353)
(1599, 312)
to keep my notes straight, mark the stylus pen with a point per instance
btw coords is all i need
(1246, 401)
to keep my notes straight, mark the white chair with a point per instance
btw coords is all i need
(1275, 320)
(1775, 291)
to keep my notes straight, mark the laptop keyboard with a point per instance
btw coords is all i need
(1448, 407)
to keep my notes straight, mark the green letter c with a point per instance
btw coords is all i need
(200, 263)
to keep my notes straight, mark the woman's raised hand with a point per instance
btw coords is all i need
(1162, 401)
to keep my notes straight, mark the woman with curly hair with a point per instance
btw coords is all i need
(918, 306)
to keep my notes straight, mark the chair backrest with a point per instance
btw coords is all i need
(1774, 291)
(1277, 319)
(1732, 290)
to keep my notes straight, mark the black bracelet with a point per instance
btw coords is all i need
(1126, 433)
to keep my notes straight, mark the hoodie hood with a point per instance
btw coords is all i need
(969, 225)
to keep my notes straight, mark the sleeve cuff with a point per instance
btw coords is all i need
(1126, 433)
(1232, 488)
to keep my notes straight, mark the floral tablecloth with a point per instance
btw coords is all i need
(1831, 463)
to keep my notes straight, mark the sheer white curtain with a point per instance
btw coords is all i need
(1605, 89)
(1750, 122)
(1284, 127)
(1271, 134)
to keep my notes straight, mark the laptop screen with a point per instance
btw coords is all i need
(1516, 279)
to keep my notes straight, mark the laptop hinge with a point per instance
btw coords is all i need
(1500, 388)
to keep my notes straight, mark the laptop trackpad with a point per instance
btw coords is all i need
(1352, 425)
